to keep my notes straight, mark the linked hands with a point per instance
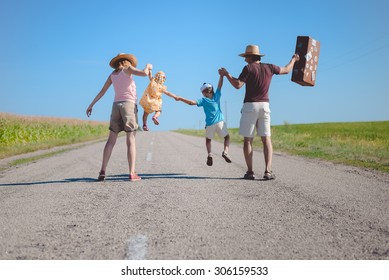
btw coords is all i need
(223, 72)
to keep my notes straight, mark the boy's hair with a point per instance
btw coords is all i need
(206, 86)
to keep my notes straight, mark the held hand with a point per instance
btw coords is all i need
(89, 111)
(177, 98)
(296, 57)
(150, 66)
(223, 72)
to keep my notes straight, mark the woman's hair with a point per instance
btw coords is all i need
(120, 63)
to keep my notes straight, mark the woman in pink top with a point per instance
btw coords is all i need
(124, 110)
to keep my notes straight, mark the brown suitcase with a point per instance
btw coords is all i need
(305, 70)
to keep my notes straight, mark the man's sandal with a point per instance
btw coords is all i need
(269, 175)
(249, 175)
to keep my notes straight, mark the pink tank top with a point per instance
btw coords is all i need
(124, 86)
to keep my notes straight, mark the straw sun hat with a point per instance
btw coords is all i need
(251, 50)
(120, 56)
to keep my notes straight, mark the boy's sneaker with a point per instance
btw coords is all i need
(134, 177)
(209, 160)
(226, 157)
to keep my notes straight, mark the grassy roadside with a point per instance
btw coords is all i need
(24, 134)
(362, 144)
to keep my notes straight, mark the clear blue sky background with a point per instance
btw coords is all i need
(54, 55)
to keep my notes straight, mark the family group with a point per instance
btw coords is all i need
(255, 113)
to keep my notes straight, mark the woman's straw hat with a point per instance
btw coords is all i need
(129, 57)
(251, 50)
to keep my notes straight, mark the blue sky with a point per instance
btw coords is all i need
(54, 55)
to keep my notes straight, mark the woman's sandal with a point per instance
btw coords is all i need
(134, 177)
(269, 175)
(101, 176)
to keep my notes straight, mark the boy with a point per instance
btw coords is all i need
(214, 119)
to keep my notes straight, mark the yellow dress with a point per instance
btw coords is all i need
(151, 100)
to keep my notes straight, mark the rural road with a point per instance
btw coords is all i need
(182, 209)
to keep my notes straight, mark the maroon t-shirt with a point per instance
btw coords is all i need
(257, 77)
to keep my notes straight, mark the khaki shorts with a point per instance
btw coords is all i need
(255, 116)
(124, 116)
(220, 128)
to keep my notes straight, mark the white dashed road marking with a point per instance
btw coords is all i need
(137, 247)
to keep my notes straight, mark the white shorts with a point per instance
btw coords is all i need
(220, 128)
(255, 116)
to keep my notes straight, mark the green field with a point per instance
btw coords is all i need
(362, 144)
(23, 134)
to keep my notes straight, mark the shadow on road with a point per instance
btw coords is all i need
(70, 180)
(121, 177)
(148, 176)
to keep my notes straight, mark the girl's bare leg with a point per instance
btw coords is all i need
(144, 118)
(155, 117)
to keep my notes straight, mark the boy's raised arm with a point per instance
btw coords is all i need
(220, 84)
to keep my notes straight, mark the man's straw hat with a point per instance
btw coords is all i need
(251, 50)
(130, 57)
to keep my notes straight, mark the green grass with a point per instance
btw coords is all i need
(34, 158)
(22, 134)
(362, 144)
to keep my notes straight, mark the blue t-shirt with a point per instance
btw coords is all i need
(213, 113)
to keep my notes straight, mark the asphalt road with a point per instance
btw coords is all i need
(182, 209)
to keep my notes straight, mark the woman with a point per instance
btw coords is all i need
(124, 110)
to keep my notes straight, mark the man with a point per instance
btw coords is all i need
(256, 111)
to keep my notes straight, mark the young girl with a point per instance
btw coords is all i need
(214, 118)
(151, 100)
